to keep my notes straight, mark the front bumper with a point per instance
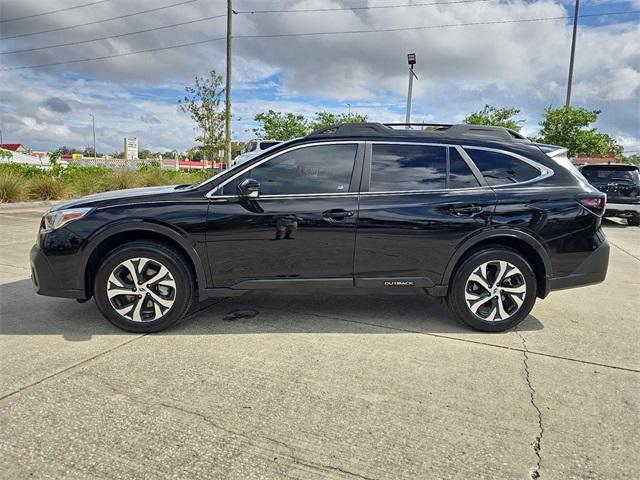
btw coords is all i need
(45, 282)
(592, 270)
(614, 209)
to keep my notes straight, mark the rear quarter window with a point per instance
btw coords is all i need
(501, 169)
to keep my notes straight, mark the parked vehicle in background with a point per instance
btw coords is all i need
(478, 215)
(621, 183)
(254, 148)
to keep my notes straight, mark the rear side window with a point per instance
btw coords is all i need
(501, 169)
(408, 167)
(460, 175)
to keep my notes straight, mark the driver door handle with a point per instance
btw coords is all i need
(337, 214)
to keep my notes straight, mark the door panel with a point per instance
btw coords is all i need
(301, 227)
(418, 203)
(415, 235)
(282, 238)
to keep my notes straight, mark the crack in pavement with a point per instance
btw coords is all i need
(448, 337)
(246, 436)
(623, 250)
(71, 367)
(537, 443)
(99, 354)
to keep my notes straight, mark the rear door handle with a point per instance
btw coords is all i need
(337, 214)
(465, 210)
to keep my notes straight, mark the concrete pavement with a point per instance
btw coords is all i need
(320, 386)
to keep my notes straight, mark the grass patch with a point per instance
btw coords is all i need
(26, 182)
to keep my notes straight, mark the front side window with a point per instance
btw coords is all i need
(307, 170)
(408, 167)
(501, 169)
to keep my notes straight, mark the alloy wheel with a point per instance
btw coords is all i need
(495, 291)
(141, 289)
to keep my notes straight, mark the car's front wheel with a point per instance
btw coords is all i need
(634, 221)
(493, 289)
(144, 287)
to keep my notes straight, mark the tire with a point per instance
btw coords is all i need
(634, 221)
(164, 290)
(501, 312)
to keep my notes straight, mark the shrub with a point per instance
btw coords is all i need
(21, 169)
(45, 187)
(123, 179)
(11, 187)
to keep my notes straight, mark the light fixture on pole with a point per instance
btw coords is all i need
(411, 59)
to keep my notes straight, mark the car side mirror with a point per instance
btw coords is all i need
(249, 188)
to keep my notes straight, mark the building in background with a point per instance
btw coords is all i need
(15, 147)
(131, 148)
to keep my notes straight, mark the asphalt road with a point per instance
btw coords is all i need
(320, 386)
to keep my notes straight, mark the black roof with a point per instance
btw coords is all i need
(426, 131)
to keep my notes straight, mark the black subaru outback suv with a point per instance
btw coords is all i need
(478, 215)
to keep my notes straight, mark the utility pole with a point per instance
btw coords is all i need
(411, 58)
(227, 106)
(93, 126)
(573, 53)
(349, 106)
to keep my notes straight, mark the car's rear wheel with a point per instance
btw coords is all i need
(493, 289)
(634, 221)
(144, 287)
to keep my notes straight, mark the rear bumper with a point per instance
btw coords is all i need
(45, 282)
(614, 209)
(592, 270)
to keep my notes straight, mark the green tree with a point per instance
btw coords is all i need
(5, 154)
(327, 119)
(280, 126)
(202, 103)
(569, 127)
(496, 116)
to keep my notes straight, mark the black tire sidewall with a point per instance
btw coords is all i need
(166, 256)
(456, 299)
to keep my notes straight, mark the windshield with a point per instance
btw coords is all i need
(611, 174)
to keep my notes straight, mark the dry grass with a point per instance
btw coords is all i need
(45, 187)
(11, 187)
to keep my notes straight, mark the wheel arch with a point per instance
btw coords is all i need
(522, 242)
(110, 237)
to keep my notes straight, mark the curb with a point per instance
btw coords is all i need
(44, 203)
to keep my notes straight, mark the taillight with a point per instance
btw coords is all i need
(596, 205)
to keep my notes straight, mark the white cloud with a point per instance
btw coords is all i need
(460, 68)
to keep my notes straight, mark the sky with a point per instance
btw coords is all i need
(459, 68)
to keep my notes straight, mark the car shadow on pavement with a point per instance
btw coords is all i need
(23, 312)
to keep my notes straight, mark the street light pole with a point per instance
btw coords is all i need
(573, 53)
(93, 126)
(412, 61)
(227, 107)
(349, 107)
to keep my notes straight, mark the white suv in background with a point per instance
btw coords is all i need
(254, 148)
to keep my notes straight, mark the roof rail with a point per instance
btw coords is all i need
(413, 124)
(439, 130)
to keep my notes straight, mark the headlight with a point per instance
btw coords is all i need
(53, 220)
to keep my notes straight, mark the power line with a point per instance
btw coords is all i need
(337, 9)
(46, 47)
(59, 29)
(52, 11)
(279, 35)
